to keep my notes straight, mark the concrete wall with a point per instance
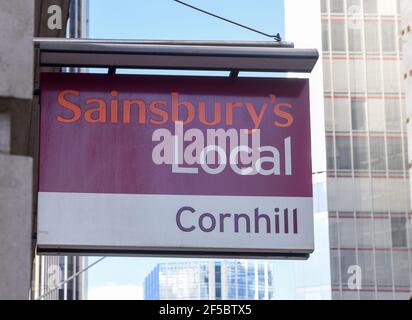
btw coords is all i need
(16, 172)
(16, 49)
(15, 226)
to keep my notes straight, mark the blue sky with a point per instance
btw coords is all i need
(166, 19)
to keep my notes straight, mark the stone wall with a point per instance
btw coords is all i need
(16, 172)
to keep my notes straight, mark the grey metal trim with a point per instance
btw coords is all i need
(190, 55)
(274, 44)
(173, 253)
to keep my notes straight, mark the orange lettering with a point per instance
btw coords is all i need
(257, 119)
(217, 117)
(70, 106)
(100, 111)
(176, 104)
(284, 115)
(159, 112)
(127, 110)
(229, 111)
(114, 108)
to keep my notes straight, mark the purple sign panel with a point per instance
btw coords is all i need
(167, 163)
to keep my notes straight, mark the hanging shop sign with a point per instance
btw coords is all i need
(171, 165)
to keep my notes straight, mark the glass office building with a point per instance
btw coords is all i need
(50, 274)
(204, 280)
(406, 41)
(366, 141)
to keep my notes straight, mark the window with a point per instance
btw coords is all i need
(380, 193)
(367, 296)
(360, 154)
(261, 281)
(241, 282)
(70, 294)
(395, 154)
(335, 267)
(348, 259)
(389, 36)
(337, 6)
(70, 272)
(357, 75)
(365, 261)
(343, 153)
(324, 5)
(340, 75)
(383, 269)
(330, 150)
(337, 295)
(353, 3)
(333, 233)
(373, 73)
(365, 233)
(355, 39)
(370, 6)
(338, 35)
(328, 115)
(62, 264)
(325, 35)
(346, 233)
(376, 114)
(231, 280)
(371, 36)
(251, 281)
(363, 202)
(401, 269)
(358, 115)
(409, 226)
(61, 294)
(383, 233)
(218, 279)
(378, 159)
(270, 284)
(327, 77)
(399, 236)
(392, 75)
(342, 115)
(392, 115)
(78, 286)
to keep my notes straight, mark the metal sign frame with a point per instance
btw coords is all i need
(235, 56)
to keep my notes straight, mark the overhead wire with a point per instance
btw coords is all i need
(276, 37)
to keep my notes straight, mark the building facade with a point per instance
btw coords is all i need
(60, 278)
(406, 41)
(366, 144)
(210, 280)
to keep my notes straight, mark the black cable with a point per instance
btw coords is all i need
(277, 37)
